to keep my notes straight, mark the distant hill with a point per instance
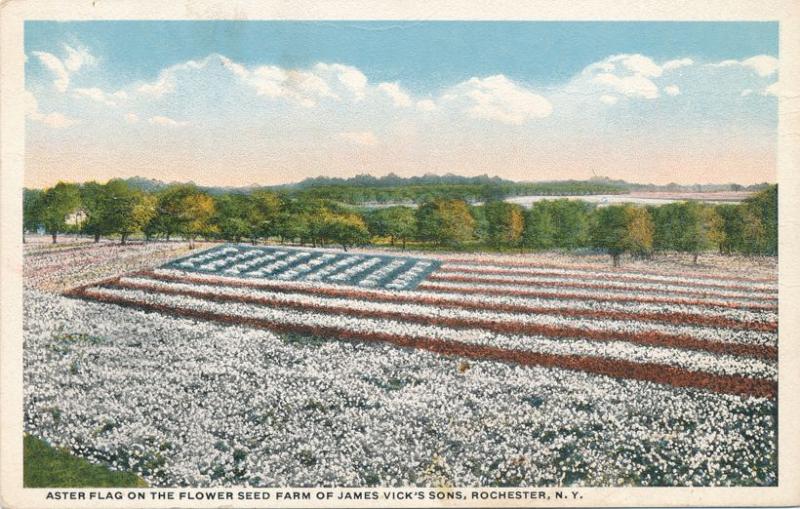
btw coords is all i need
(333, 185)
(393, 180)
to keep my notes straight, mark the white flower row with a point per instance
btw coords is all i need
(556, 290)
(612, 285)
(604, 276)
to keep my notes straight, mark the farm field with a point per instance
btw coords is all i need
(275, 365)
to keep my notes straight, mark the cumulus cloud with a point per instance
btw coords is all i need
(638, 64)
(630, 86)
(499, 99)
(98, 95)
(365, 138)
(56, 68)
(54, 119)
(671, 65)
(609, 99)
(166, 121)
(396, 94)
(426, 105)
(75, 59)
(762, 65)
(131, 118)
(672, 90)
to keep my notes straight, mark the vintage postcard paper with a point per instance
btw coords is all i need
(267, 254)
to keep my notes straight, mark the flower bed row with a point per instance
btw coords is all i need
(670, 314)
(466, 277)
(572, 274)
(296, 320)
(713, 340)
(602, 268)
(590, 293)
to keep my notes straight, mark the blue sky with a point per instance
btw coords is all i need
(424, 55)
(295, 99)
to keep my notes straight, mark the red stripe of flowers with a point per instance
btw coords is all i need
(651, 338)
(595, 269)
(625, 277)
(675, 318)
(571, 284)
(651, 372)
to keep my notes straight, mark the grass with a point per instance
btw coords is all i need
(45, 466)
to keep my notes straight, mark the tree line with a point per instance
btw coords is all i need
(183, 210)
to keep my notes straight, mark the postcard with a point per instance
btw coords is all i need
(412, 254)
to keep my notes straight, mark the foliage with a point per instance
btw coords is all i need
(47, 467)
(445, 222)
(623, 228)
(506, 223)
(397, 223)
(441, 221)
(58, 203)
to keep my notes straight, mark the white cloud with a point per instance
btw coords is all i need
(763, 65)
(366, 138)
(396, 94)
(62, 70)
(609, 99)
(746, 92)
(54, 119)
(100, 96)
(131, 118)
(500, 99)
(630, 86)
(353, 79)
(426, 105)
(77, 58)
(638, 64)
(166, 121)
(56, 67)
(672, 90)
(671, 65)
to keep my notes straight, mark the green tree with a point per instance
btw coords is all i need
(124, 210)
(445, 222)
(345, 230)
(639, 231)
(571, 223)
(235, 217)
(182, 209)
(397, 223)
(92, 200)
(58, 203)
(31, 210)
(610, 232)
(263, 219)
(539, 230)
(506, 223)
(764, 205)
(686, 227)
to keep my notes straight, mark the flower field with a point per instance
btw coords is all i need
(269, 366)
